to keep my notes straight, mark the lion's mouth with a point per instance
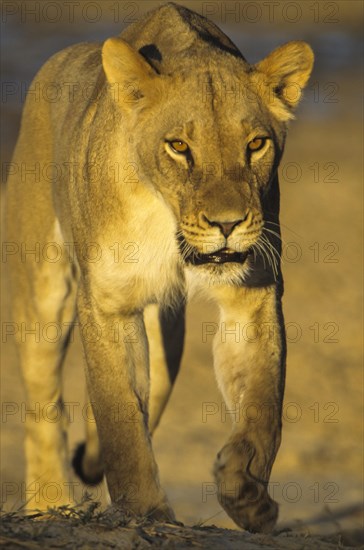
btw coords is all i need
(219, 257)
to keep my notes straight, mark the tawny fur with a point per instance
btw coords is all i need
(117, 202)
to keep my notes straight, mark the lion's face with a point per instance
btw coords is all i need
(212, 160)
(209, 141)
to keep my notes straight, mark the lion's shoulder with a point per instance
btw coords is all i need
(73, 61)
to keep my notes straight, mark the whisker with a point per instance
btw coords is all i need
(269, 251)
(255, 249)
(285, 226)
(263, 254)
(275, 259)
(186, 249)
(271, 246)
(273, 233)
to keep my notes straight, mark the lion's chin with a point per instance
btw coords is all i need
(211, 274)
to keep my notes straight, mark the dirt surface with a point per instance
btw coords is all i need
(317, 478)
(89, 529)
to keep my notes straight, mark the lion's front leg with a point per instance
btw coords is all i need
(116, 353)
(249, 357)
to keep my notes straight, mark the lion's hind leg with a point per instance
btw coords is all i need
(87, 462)
(43, 308)
(165, 329)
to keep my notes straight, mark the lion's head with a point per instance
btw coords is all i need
(208, 132)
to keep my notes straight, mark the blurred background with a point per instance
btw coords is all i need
(317, 477)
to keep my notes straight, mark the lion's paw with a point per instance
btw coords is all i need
(244, 498)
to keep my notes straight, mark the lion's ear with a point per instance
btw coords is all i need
(286, 71)
(128, 73)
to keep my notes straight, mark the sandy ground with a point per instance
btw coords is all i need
(317, 477)
(90, 529)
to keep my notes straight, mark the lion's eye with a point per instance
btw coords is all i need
(179, 146)
(256, 144)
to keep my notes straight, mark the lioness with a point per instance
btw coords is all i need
(157, 172)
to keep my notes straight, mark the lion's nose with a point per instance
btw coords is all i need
(225, 227)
